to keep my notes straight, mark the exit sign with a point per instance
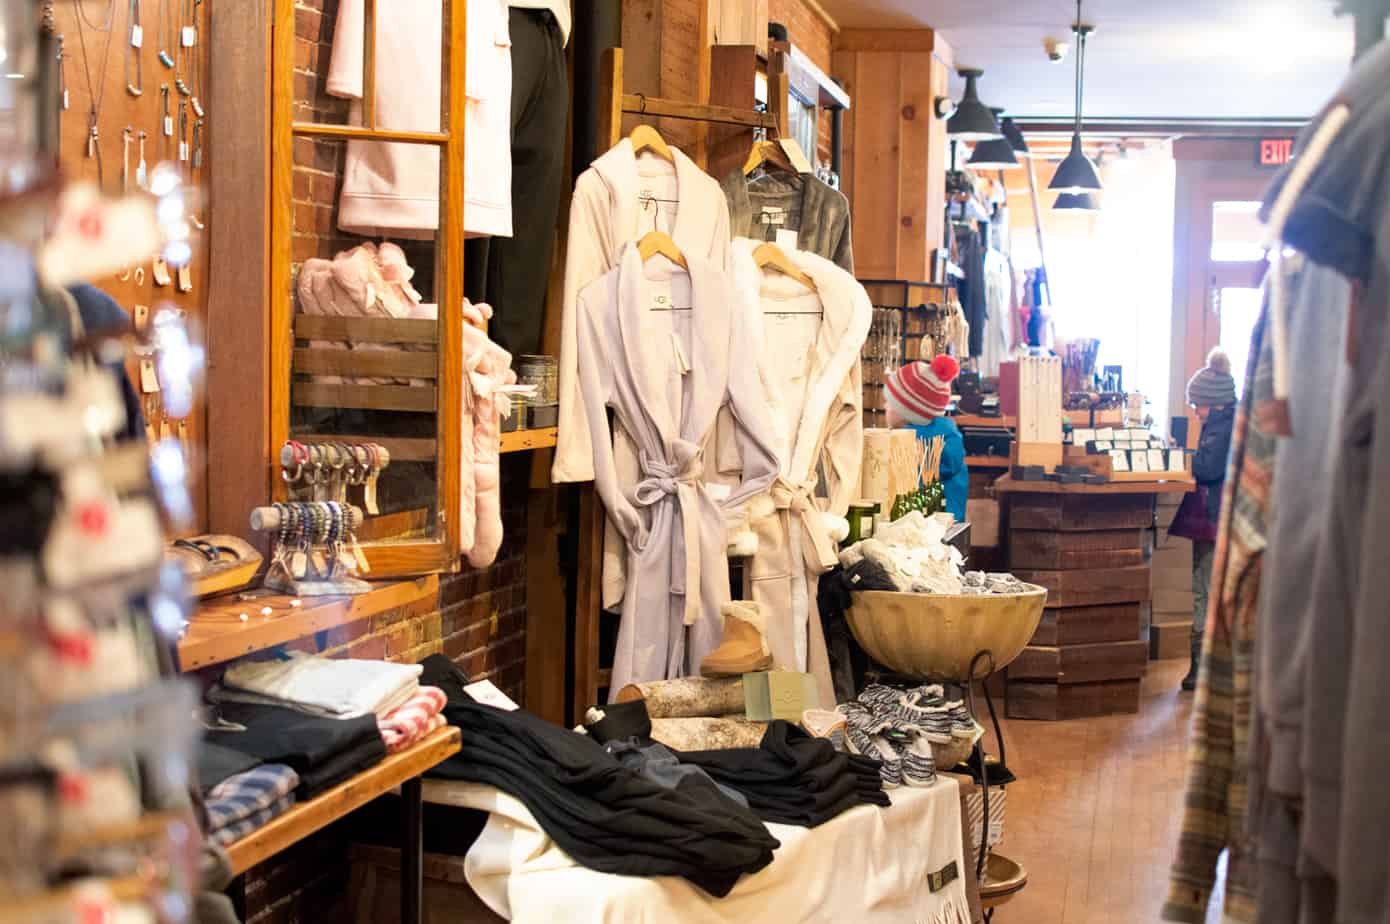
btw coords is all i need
(1274, 152)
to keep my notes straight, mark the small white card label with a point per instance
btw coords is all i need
(786, 239)
(137, 37)
(190, 36)
(486, 692)
(168, 126)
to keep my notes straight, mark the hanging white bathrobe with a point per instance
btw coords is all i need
(618, 199)
(809, 368)
(666, 374)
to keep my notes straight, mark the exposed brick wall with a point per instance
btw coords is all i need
(318, 163)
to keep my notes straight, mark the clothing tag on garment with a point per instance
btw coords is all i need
(771, 215)
(189, 36)
(786, 239)
(485, 692)
(661, 301)
(682, 364)
(943, 877)
(137, 37)
(718, 492)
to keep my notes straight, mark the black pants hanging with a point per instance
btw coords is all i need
(512, 274)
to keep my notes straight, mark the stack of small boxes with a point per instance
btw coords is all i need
(1130, 449)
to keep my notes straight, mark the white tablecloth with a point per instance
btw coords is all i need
(867, 865)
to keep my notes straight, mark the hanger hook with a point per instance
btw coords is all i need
(642, 98)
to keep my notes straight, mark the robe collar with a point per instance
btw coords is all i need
(651, 357)
(700, 197)
(845, 320)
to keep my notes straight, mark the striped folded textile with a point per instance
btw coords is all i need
(238, 829)
(411, 722)
(246, 794)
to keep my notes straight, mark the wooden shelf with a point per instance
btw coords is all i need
(1007, 485)
(306, 818)
(522, 440)
(975, 420)
(216, 634)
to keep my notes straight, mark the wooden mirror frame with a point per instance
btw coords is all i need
(386, 559)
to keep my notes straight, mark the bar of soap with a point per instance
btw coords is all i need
(1083, 435)
(1119, 460)
(1157, 462)
(1139, 461)
(1177, 461)
(1105, 433)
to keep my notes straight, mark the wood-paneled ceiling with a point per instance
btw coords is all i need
(1163, 59)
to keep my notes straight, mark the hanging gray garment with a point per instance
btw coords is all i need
(665, 375)
(817, 212)
(1342, 220)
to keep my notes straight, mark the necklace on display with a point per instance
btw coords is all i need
(95, 88)
(132, 52)
(187, 40)
(166, 36)
(195, 67)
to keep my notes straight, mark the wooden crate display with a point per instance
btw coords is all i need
(1081, 625)
(1111, 548)
(1081, 512)
(1058, 701)
(1091, 586)
(1065, 664)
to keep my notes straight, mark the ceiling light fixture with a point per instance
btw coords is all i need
(1076, 174)
(1077, 202)
(995, 154)
(1014, 135)
(972, 120)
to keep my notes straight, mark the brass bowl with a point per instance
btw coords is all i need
(935, 636)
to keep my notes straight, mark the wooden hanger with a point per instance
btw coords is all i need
(659, 242)
(785, 153)
(770, 255)
(646, 138)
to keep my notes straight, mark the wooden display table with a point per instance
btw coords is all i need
(403, 770)
(1089, 546)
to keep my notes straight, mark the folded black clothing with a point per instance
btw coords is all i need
(792, 777)
(324, 752)
(604, 815)
(215, 763)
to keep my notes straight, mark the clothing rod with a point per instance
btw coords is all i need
(637, 104)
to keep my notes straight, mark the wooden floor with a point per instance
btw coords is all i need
(1096, 809)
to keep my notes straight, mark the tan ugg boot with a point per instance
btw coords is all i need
(744, 646)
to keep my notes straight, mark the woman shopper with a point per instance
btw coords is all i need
(1212, 394)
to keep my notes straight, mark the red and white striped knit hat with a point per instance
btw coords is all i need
(918, 392)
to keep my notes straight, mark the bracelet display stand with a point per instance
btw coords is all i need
(316, 551)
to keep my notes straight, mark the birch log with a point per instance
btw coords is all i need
(687, 697)
(708, 734)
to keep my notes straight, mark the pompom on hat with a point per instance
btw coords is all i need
(1213, 385)
(918, 392)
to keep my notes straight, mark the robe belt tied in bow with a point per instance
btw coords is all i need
(678, 479)
(799, 499)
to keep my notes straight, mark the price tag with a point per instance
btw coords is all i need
(369, 495)
(183, 150)
(166, 431)
(189, 36)
(137, 37)
(142, 317)
(149, 380)
(65, 98)
(486, 692)
(299, 564)
(168, 126)
(320, 562)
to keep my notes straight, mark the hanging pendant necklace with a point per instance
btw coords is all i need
(166, 30)
(195, 69)
(95, 88)
(134, 87)
(187, 37)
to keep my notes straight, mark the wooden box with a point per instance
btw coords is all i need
(1170, 637)
(1057, 701)
(1092, 587)
(1081, 663)
(1082, 625)
(1072, 512)
(1113, 548)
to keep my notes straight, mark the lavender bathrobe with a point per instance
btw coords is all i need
(665, 375)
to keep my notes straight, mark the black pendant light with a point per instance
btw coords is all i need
(972, 121)
(1014, 135)
(1077, 202)
(1076, 174)
(995, 154)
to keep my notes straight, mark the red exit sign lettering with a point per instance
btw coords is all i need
(1274, 152)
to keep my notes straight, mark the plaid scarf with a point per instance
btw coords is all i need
(411, 722)
(1214, 815)
(247, 794)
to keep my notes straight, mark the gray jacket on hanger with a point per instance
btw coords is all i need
(805, 204)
